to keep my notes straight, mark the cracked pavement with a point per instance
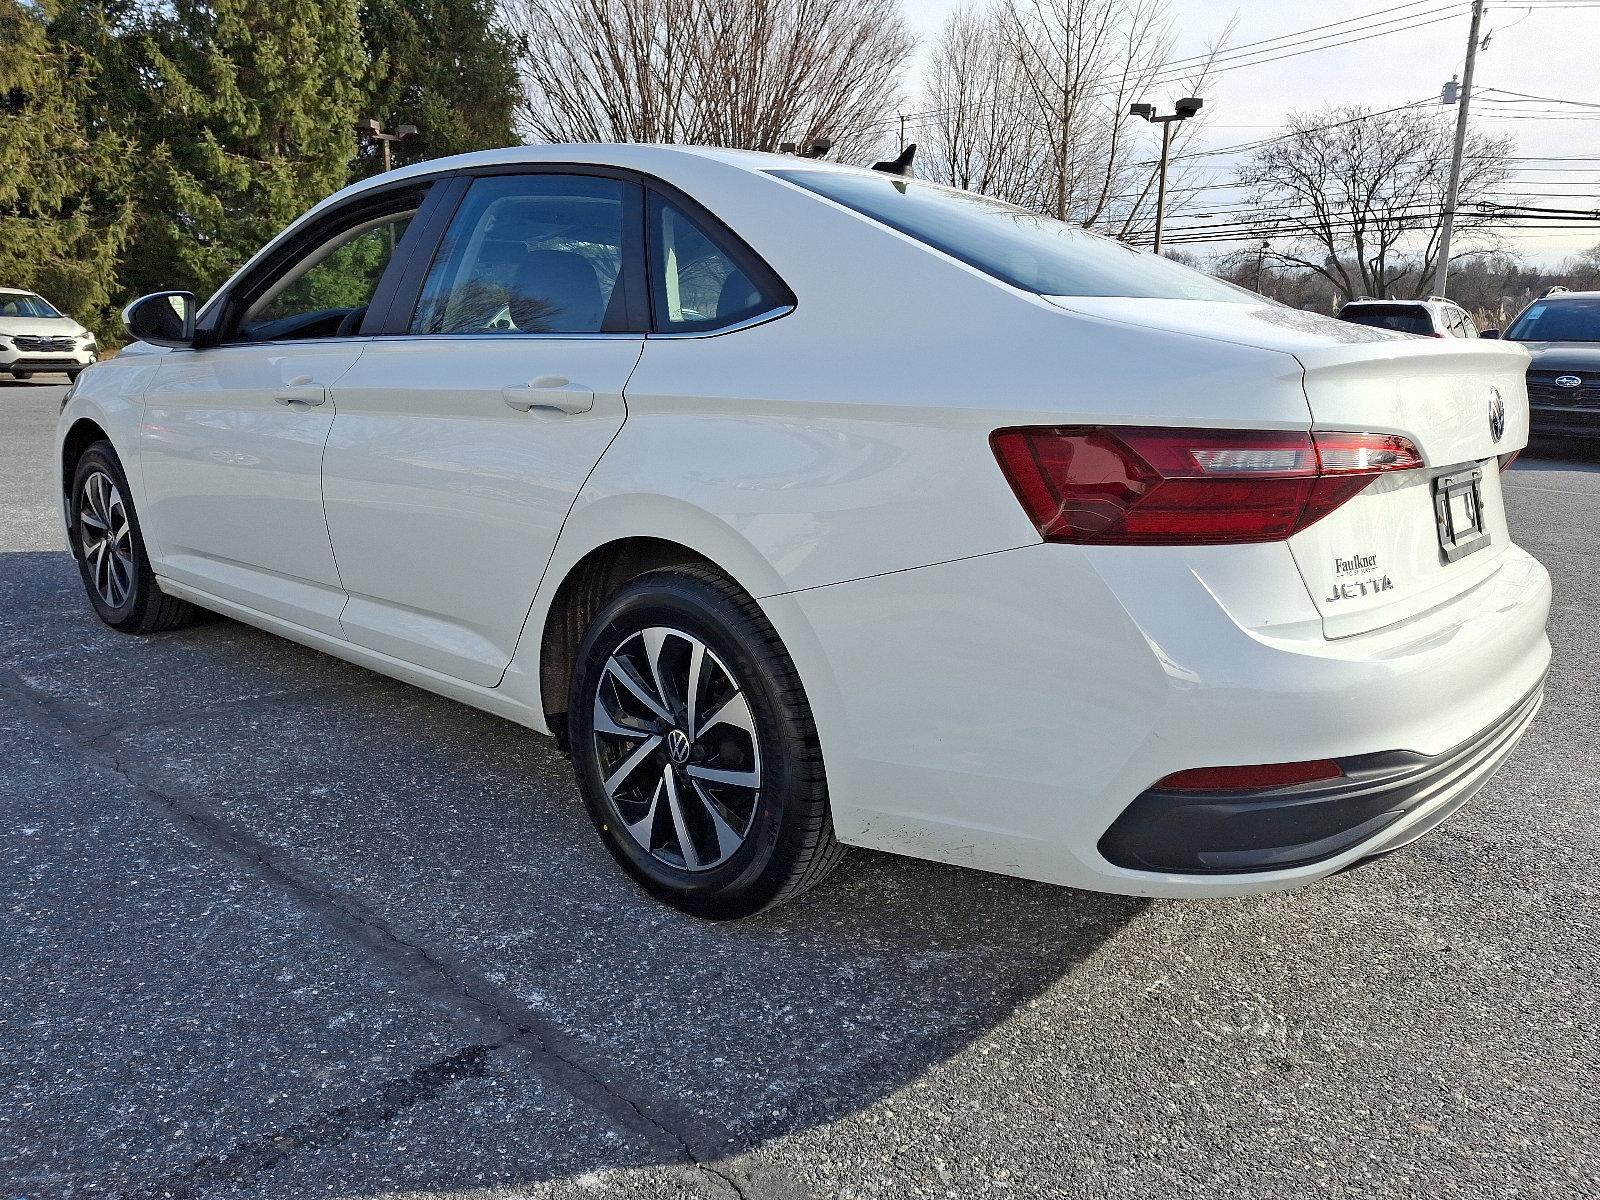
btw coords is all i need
(277, 927)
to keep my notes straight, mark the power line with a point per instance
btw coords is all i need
(1251, 50)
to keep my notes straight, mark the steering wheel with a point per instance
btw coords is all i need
(351, 322)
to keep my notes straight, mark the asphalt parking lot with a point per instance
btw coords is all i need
(277, 927)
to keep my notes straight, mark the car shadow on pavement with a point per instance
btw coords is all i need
(448, 851)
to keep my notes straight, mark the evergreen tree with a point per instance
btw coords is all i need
(248, 122)
(64, 211)
(448, 67)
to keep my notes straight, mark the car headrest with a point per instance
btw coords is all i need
(556, 291)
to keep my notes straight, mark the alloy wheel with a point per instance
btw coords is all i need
(105, 538)
(677, 746)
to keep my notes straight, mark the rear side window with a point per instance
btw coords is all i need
(1022, 248)
(699, 279)
(1403, 318)
(538, 253)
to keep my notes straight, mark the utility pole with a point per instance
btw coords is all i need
(902, 130)
(1441, 272)
(1182, 111)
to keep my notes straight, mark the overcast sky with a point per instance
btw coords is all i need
(1551, 49)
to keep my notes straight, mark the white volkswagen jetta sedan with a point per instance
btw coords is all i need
(811, 506)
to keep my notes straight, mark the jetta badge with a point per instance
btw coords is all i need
(1497, 414)
(1568, 381)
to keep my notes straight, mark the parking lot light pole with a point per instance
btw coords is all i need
(368, 127)
(1182, 111)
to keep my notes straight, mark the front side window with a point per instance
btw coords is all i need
(540, 253)
(1022, 248)
(1558, 321)
(25, 304)
(699, 283)
(326, 293)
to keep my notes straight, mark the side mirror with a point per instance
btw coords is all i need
(1488, 333)
(162, 318)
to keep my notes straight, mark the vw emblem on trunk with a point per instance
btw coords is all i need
(1497, 414)
(1568, 381)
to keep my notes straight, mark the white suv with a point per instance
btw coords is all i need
(35, 337)
(1433, 317)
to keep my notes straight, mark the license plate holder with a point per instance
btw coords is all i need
(1458, 508)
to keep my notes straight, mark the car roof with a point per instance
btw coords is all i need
(5, 291)
(641, 156)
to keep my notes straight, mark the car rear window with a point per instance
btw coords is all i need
(1022, 248)
(1404, 318)
(1558, 321)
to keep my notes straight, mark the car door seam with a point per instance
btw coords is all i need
(555, 544)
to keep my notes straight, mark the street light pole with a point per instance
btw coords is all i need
(1441, 272)
(368, 127)
(1182, 111)
(1161, 185)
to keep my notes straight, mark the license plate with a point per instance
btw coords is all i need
(1458, 506)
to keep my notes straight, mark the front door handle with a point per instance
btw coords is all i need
(555, 392)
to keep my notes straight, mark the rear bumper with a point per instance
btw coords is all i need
(1003, 712)
(1221, 833)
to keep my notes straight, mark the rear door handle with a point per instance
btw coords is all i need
(301, 395)
(555, 392)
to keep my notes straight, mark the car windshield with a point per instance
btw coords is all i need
(1027, 250)
(25, 304)
(1558, 321)
(1402, 317)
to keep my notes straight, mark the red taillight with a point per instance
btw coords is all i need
(1253, 778)
(1132, 485)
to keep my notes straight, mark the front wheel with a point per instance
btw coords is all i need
(695, 747)
(106, 541)
(22, 374)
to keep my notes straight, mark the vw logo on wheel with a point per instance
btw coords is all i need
(678, 746)
(1568, 381)
(1497, 414)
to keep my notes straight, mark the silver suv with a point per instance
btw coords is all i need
(35, 337)
(1433, 317)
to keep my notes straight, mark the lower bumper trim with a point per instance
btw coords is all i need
(1227, 833)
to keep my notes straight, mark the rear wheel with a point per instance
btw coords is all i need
(695, 747)
(106, 541)
(22, 374)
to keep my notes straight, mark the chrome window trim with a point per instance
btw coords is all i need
(760, 318)
(508, 336)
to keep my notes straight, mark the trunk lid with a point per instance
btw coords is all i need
(1377, 559)
(1381, 557)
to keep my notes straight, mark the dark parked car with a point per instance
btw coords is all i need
(1562, 331)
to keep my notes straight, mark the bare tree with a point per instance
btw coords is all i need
(750, 74)
(978, 135)
(1028, 102)
(1361, 193)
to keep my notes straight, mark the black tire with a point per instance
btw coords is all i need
(72, 376)
(22, 374)
(787, 844)
(116, 570)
